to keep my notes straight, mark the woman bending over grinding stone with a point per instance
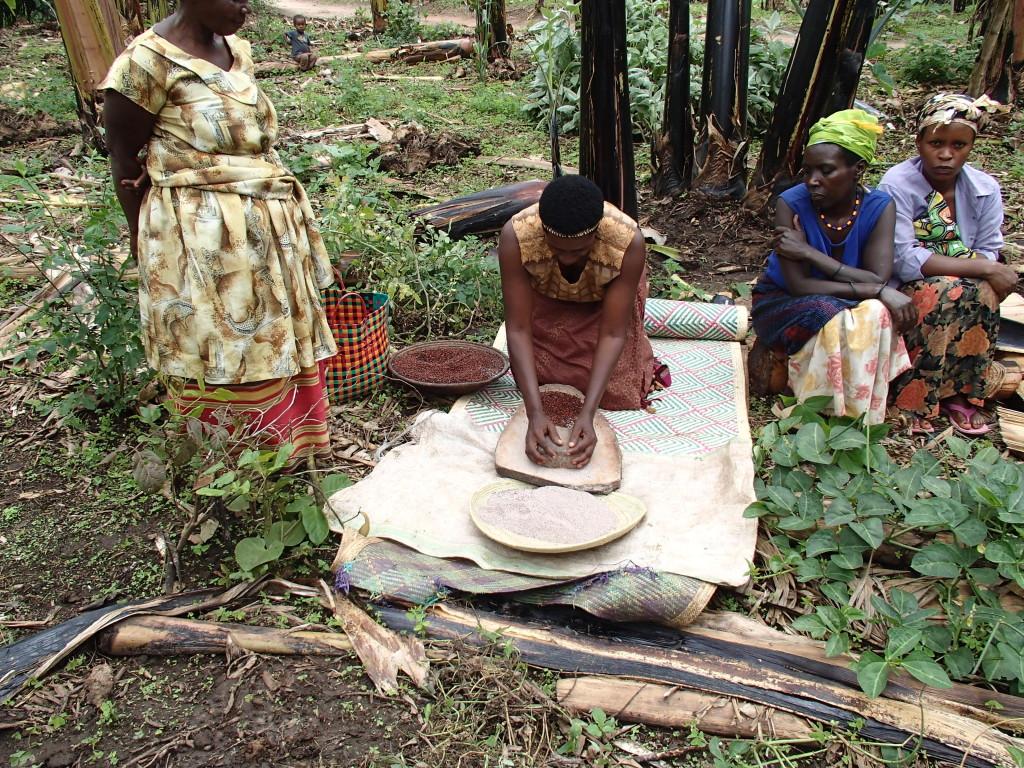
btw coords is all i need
(573, 275)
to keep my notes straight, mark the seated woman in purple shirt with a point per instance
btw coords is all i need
(948, 220)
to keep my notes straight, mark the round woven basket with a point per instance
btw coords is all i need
(453, 388)
(1002, 379)
(628, 510)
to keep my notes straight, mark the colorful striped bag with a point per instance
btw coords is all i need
(359, 322)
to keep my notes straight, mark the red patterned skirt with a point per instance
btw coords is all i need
(267, 413)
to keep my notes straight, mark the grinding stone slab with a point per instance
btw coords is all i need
(602, 475)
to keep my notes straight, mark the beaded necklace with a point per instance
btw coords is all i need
(849, 221)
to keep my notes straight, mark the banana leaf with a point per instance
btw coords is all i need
(480, 212)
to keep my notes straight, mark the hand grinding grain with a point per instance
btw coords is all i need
(552, 514)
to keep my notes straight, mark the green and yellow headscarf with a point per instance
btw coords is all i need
(852, 129)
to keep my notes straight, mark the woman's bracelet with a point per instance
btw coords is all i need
(881, 288)
(852, 289)
(838, 270)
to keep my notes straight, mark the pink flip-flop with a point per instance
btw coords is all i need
(966, 413)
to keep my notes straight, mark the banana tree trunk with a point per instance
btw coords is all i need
(722, 146)
(91, 31)
(379, 10)
(491, 28)
(673, 148)
(606, 128)
(1017, 53)
(807, 87)
(1001, 59)
(851, 57)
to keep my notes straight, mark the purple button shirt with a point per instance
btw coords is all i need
(979, 214)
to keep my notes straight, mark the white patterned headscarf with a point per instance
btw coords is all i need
(947, 108)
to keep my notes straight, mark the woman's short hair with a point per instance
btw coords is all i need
(570, 205)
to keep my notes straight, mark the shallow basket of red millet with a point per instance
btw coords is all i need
(448, 366)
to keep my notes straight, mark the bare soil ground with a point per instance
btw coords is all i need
(203, 711)
(325, 9)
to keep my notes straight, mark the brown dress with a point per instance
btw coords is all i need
(567, 316)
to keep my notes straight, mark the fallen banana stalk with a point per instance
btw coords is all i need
(734, 669)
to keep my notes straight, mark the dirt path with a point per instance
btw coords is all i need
(323, 9)
(520, 19)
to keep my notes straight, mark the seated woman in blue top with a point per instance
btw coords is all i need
(823, 300)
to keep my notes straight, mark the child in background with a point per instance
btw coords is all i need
(302, 46)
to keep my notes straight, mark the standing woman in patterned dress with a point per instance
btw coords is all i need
(949, 217)
(230, 262)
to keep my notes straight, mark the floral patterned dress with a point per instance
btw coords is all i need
(952, 345)
(230, 263)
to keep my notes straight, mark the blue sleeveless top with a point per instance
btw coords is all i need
(799, 200)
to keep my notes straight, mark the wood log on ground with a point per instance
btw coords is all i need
(722, 146)
(673, 148)
(803, 653)
(433, 50)
(732, 669)
(57, 284)
(166, 636)
(371, 129)
(638, 701)
(37, 654)
(606, 128)
(534, 163)
(485, 211)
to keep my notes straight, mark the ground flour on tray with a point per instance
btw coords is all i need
(552, 514)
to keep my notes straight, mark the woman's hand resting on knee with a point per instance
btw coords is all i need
(1002, 278)
(901, 308)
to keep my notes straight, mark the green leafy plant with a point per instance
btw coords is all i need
(204, 468)
(931, 63)
(836, 503)
(404, 24)
(769, 56)
(28, 10)
(554, 46)
(593, 736)
(93, 329)
(438, 286)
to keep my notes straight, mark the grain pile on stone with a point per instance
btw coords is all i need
(551, 514)
(562, 408)
(448, 365)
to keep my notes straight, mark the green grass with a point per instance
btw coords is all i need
(35, 76)
(931, 21)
